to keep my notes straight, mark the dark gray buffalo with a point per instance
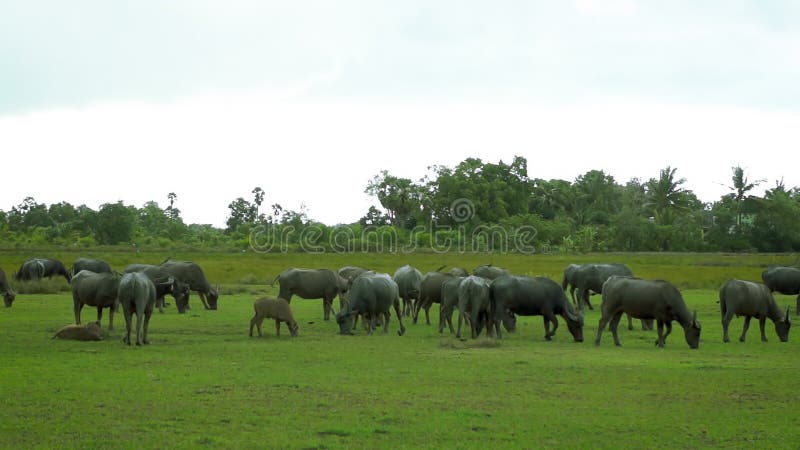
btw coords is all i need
(785, 280)
(95, 289)
(191, 274)
(408, 280)
(490, 272)
(310, 284)
(449, 302)
(94, 265)
(165, 284)
(647, 299)
(589, 278)
(38, 268)
(748, 299)
(533, 296)
(8, 293)
(137, 295)
(371, 295)
(473, 298)
(350, 273)
(430, 292)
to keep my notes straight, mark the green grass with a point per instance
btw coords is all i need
(204, 383)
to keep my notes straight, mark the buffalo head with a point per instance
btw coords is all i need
(345, 321)
(575, 325)
(782, 326)
(212, 298)
(8, 298)
(692, 332)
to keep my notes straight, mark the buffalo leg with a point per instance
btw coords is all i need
(475, 323)
(600, 327)
(148, 312)
(761, 323)
(460, 321)
(277, 328)
(630, 322)
(128, 318)
(647, 324)
(744, 328)
(139, 324)
(659, 340)
(386, 317)
(726, 321)
(326, 308)
(668, 326)
(550, 333)
(797, 311)
(160, 304)
(402, 329)
(77, 308)
(613, 325)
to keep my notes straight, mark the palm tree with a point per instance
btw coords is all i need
(666, 197)
(740, 187)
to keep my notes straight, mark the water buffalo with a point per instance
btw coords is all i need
(191, 274)
(38, 268)
(137, 295)
(785, 280)
(371, 295)
(473, 297)
(490, 272)
(8, 293)
(430, 292)
(312, 283)
(588, 278)
(569, 280)
(408, 280)
(458, 272)
(449, 301)
(647, 299)
(533, 296)
(748, 299)
(165, 284)
(273, 308)
(350, 273)
(95, 289)
(94, 265)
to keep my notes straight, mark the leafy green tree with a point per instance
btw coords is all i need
(666, 199)
(115, 223)
(27, 215)
(241, 212)
(400, 197)
(776, 227)
(598, 198)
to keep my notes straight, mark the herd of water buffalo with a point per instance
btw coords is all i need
(486, 299)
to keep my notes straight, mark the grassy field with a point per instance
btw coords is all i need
(204, 383)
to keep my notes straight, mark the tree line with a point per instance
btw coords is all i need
(474, 205)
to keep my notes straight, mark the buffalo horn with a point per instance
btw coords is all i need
(694, 317)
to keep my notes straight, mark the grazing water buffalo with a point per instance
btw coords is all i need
(408, 280)
(93, 265)
(647, 299)
(95, 289)
(8, 293)
(748, 299)
(165, 284)
(588, 278)
(191, 274)
(449, 301)
(430, 292)
(137, 295)
(490, 272)
(273, 308)
(473, 297)
(785, 280)
(310, 284)
(38, 268)
(533, 296)
(371, 295)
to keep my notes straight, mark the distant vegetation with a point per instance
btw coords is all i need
(475, 206)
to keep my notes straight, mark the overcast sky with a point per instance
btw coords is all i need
(114, 100)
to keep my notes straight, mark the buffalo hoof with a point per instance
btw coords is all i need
(597, 343)
(547, 337)
(741, 339)
(726, 340)
(401, 331)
